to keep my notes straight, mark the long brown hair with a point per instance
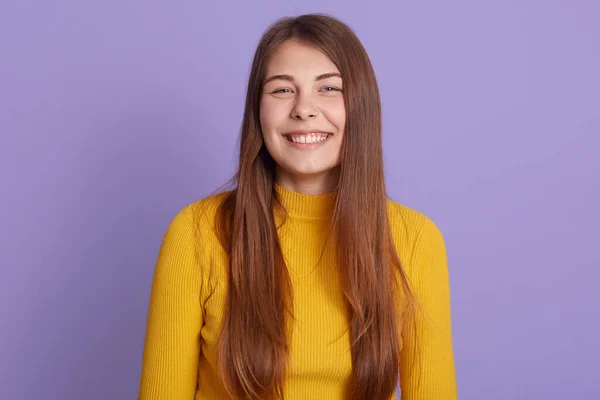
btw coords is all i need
(253, 347)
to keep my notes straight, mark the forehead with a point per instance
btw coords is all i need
(294, 57)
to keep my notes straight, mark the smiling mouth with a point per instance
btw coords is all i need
(307, 138)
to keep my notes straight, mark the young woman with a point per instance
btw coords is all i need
(305, 281)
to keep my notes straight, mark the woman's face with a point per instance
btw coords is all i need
(302, 113)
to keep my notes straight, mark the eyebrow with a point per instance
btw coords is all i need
(291, 78)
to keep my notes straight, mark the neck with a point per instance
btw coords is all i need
(308, 184)
(305, 206)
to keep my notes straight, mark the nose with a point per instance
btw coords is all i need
(304, 108)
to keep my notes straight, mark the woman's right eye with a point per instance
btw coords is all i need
(282, 91)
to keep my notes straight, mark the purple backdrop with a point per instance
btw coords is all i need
(115, 114)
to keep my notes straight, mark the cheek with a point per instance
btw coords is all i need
(337, 115)
(264, 115)
(270, 115)
(268, 125)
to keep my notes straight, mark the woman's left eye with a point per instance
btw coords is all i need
(329, 89)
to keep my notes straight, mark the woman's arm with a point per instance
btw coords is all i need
(427, 363)
(172, 345)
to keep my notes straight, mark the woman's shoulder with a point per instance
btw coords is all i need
(206, 207)
(199, 215)
(408, 218)
(409, 226)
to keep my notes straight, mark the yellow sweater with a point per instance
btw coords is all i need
(189, 290)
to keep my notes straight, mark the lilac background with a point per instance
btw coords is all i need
(115, 114)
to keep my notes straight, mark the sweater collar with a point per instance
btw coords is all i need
(305, 205)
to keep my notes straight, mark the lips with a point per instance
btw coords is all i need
(312, 134)
(307, 138)
(306, 132)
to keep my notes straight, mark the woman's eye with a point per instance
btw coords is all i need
(282, 91)
(330, 89)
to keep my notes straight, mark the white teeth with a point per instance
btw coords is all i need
(312, 138)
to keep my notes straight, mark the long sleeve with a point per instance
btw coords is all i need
(175, 316)
(427, 369)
